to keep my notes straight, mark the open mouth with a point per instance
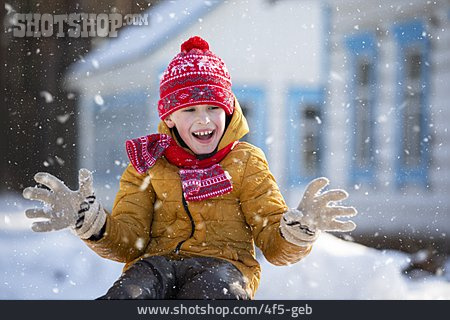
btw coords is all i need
(203, 135)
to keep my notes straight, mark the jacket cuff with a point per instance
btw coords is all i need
(94, 221)
(298, 242)
(284, 252)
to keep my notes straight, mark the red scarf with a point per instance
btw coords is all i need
(200, 179)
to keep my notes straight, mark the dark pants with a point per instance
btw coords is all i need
(189, 278)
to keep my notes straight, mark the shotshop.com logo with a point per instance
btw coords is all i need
(73, 25)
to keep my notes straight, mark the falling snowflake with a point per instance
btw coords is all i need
(63, 118)
(318, 120)
(139, 244)
(99, 100)
(9, 8)
(95, 63)
(145, 183)
(47, 96)
(269, 140)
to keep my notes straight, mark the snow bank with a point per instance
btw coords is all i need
(338, 269)
(58, 265)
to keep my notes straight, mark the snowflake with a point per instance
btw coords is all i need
(171, 102)
(205, 93)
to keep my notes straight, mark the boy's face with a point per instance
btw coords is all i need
(201, 126)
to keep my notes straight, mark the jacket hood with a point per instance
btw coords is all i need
(237, 128)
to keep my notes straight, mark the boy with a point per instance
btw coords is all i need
(194, 200)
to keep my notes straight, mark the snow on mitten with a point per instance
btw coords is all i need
(314, 214)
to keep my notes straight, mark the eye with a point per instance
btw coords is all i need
(213, 108)
(189, 110)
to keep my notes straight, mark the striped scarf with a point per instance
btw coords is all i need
(200, 179)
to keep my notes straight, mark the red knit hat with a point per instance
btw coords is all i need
(195, 76)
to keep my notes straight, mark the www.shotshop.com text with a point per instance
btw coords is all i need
(270, 309)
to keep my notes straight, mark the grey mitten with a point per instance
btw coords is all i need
(314, 214)
(78, 210)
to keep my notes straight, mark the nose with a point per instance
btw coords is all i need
(203, 116)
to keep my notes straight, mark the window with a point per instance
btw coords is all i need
(362, 109)
(247, 114)
(253, 103)
(304, 135)
(413, 154)
(310, 133)
(362, 97)
(412, 114)
(117, 119)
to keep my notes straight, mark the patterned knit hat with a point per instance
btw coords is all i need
(195, 76)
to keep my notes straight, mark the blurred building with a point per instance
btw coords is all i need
(120, 81)
(388, 106)
(353, 90)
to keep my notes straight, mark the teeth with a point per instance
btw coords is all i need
(204, 133)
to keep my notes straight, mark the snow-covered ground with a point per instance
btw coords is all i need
(57, 265)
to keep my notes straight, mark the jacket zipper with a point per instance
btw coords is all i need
(186, 208)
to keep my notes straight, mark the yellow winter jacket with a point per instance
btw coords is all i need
(148, 217)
